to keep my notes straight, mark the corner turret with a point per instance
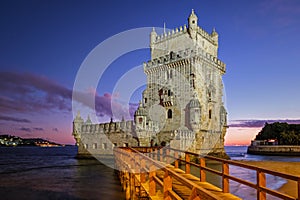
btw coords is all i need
(88, 121)
(78, 118)
(215, 36)
(140, 117)
(77, 123)
(153, 36)
(193, 24)
(194, 113)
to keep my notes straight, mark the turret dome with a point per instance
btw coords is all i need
(141, 111)
(194, 103)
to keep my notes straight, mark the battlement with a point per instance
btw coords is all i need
(106, 128)
(182, 30)
(171, 34)
(183, 56)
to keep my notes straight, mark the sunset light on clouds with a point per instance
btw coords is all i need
(43, 44)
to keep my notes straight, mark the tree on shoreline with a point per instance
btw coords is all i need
(284, 133)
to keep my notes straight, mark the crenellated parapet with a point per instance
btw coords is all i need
(183, 134)
(170, 34)
(173, 33)
(107, 128)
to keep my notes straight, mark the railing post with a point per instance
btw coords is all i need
(167, 185)
(176, 159)
(202, 171)
(143, 173)
(187, 164)
(225, 180)
(161, 155)
(149, 152)
(168, 159)
(152, 184)
(155, 154)
(261, 182)
(137, 163)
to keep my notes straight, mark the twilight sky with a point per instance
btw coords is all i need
(43, 44)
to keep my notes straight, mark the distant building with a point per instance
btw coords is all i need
(264, 142)
(184, 82)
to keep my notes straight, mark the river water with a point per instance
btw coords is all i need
(245, 192)
(55, 173)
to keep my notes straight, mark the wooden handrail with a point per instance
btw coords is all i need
(260, 186)
(243, 165)
(160, 154)
(169, 174)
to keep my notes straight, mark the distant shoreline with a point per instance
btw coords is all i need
(274, 150)
(14, 141)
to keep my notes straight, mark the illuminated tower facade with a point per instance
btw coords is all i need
(184, 78)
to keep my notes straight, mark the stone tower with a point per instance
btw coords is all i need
(182, 104)
(184, 78)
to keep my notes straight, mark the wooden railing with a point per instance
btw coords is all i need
(188, 159)
(259, 186)
(129, 160)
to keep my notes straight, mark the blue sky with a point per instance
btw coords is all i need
(43, 43)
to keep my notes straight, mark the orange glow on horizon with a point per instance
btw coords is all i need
(240, 135)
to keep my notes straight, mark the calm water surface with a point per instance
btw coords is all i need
(54, 173)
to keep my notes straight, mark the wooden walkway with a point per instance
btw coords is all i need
(184, 191)
(145, 173)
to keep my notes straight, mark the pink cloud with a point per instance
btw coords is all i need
(29, 93)
(28, 98)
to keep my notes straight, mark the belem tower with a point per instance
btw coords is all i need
(182, 105)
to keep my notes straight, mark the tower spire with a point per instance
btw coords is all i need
(193, 24)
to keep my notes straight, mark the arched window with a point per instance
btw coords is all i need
(172, 55)
(169, 114)
(170, 73)
(169, 92)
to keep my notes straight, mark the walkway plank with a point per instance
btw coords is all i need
(168, 182)
(184, 192)
(159, 195)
